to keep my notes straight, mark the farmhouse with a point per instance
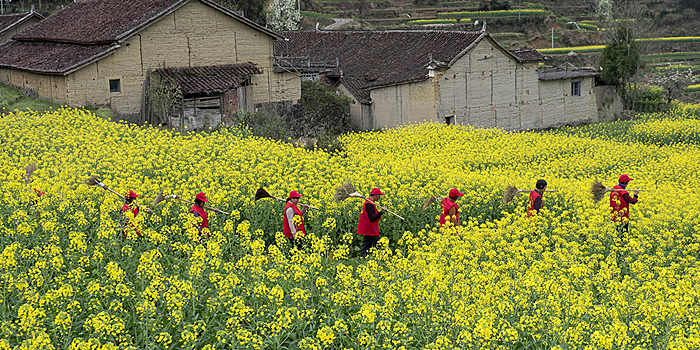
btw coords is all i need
(12, 24)
(397, 77)
(102, 52)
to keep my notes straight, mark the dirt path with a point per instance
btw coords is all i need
(338, 22)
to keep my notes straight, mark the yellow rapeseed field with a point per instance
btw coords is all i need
(563, 280)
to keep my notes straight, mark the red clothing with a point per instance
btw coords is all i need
(298, 227)
(532, 208)
(135, 210)
(620, 203)
(202, 214)
(366, 227)
(447, 204)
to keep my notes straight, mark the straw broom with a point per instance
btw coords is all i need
(28, 171)
(261, 193)
(598, 190)
(511, 191)
(160, 197)
(430, 200)
(94, 181)
(347, 190)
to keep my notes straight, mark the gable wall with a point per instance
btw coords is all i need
(6, 36)
(193, 35)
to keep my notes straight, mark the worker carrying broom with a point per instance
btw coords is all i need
(131, 207)
(450, 209)
(535, 202)
(199, 212)
(294, 219)
(620, 203)
(369, 222)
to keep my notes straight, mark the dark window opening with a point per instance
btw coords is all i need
(575, 88)
(449, 120)
(114, 86)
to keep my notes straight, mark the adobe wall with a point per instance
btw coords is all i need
(193, 35)
(50, 86)
(6, 36)
(403, 104)
(356, 111)
(560, 108)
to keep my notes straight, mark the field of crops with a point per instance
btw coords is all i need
(492, 14)
(564, 280)
(420, 22)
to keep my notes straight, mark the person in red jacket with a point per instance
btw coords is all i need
(369, 222)
(535, 203)
(620, 203)
(294, 219)
(130, 206)
(450, 209)
(199, 212)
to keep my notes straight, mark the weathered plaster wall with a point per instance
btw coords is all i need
(50, 86)
(560, 108)
(403, 104)
(194, 35)
(6, 36)
(358, 120)
(608, 102)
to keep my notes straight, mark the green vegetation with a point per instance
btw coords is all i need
(492, 14)
(577, 49)
(665, 56)
(13, 99)
(436, 21)
(693, 88)
(315, 14)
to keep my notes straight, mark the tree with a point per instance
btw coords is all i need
(283, 15)
(620, 58)
(674, 82)
(253, 10)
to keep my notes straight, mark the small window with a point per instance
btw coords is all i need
(449, 120)
(114, 86)
(575, 88)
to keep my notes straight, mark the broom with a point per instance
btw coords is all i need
(430, 200)
(347, 190)
(511, 191)
(160, 197)
(261, 193)
(598, 190)
(28, 171)
(94, 181)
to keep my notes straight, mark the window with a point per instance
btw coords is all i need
(575, 88)
(450, 119)
(114, 86)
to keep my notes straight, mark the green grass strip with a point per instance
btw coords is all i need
(491, 14)
(315, 14)
(419, 22)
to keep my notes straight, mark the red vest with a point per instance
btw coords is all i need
(134, 210)
(365, 227)
(203, 214)
(531, 211)
(618, 205)
(299, 227)
(447, 204)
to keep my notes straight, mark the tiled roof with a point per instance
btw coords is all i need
(370, 59)
(566, 73)
(209, 79)
(9, 21)
(99, 21)
(49, 57)
(528, 55)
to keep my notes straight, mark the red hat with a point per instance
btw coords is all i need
(201, 197)
(455, 193)
(294, 194)
(376, 191)
(131, 194)
(625, 178)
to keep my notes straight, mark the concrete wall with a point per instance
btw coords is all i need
(403, 104)
(194, 35)
(50, 86)
(6, 36)
(357, 117)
